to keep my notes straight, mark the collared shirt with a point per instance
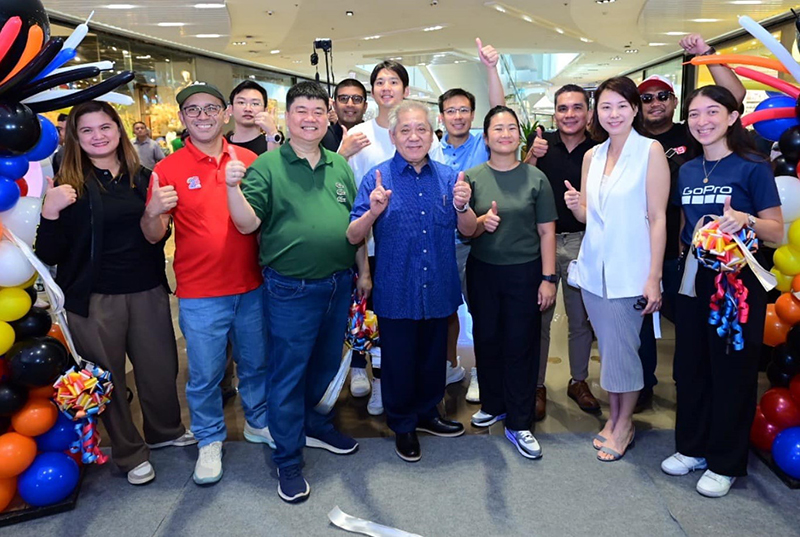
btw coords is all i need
(211, 257)
(468, 155)
(304, 212)
(416, 276)
(149, 151)
(559, 165)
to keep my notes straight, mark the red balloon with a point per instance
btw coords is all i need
(794, 389)
(762, 432)
(780, 409)
(23, 187)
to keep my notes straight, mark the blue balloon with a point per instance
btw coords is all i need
(9, 194)
(60, 436)
(786, 451)
(14, 167)
(48, 141)
(49, 479)
(773, 128)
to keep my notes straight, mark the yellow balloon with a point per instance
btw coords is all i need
(6, 337)
(784, 282)
(14, 303)
(794, 234)
(29, 282)
(787, 260)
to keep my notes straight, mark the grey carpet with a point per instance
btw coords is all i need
(474, 485)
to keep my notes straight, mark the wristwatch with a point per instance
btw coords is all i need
(710, 52)
(751, 220)
(550, 278)
(276, 138)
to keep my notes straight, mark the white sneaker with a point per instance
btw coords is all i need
(714, 485)
(375, 404)
(359, 382)
(144, 473)
(258, 436)
(678, 464)
(208, 469)
(455, 374)
(473, 392)
(186, 439)
(484, 419)
(525, 443)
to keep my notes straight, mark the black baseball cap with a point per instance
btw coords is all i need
(198, 87)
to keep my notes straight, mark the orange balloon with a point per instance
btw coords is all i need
(43, 392)
(37, 417)
(788, 309)
(775, 330)
(16, 454)
(8, 488)
(796, 284)
(55, 331)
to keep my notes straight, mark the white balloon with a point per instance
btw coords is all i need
(15, 269)
(789, 191)
(23, 218)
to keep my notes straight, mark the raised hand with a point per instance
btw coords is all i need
(572, 197)
(538, 148)
(488, 55)
(352, 143)
(379, 197)
(162, 199)
(492, 219)
(694, 44)
(266, 122)
(235, 169)
(732, 221)
(57, 199)
(462, 192)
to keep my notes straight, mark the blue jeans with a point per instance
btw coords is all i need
(306, 322)
(207, 324)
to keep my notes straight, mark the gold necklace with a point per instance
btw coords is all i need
(705, 173)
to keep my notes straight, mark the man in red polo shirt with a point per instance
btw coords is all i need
(218, 277)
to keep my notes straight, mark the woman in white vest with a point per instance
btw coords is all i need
(623, 203)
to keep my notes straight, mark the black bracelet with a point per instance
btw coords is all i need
(710, 52)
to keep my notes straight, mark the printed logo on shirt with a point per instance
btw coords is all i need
(194, 183)
(341, 193)
(705, 194)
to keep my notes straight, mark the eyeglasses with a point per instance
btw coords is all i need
(662, 96)
(344, 99)
(209, 109)
(464, 111)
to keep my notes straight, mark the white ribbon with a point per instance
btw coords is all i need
(331, 395)
(364, 527)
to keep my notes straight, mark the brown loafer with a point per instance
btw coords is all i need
(579, 392)
(541, 403)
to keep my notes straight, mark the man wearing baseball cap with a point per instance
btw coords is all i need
(658, 106)
(217, 273)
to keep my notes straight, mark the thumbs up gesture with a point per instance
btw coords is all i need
(462, 192)
(488, 55)
(352, 143)
(235, 169)
(538, 148)
(572, 197)
(732, 221)
(57, 199)
(379, 197)
(491, 219)
(162, 198)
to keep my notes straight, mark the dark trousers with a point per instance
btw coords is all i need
(716, 385)
(506, 330)
(413, 367)
(359, 359)
(648, 352)
(139, 325)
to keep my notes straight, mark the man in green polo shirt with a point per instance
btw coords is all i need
(300, 198)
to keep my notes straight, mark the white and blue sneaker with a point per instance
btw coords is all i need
(333, 441)
(484, 419)
(208, 469)
(525, 443)
(713, 485)
(258, 436)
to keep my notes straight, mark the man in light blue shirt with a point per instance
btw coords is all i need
(462, 151)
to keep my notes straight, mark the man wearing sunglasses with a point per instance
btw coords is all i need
(217, 274)
(658, 106)
(349, 103)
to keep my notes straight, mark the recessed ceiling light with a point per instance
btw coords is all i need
(439, 55)
(210, 6)
(527, 18)
(348, 13)
(208, 36)
(252, 77)
(276, 51)
(501, 9)
(422, 64)
(746, 2)
(632, 51)
(397, 58)
(616, 58)
(676, 33)
(239, 43)
(372, 37)
(152, 80)
(605, 1)
(705, 20)
(586, 40)
(658, 44)
(559, 30)
(143, 57)
(297, 61)
(171, 24)
(120, 6)
(432, 28)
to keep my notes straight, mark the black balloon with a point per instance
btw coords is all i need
(12, 398)
(19, 128)
(784, 166)
(36, 323)
(5, 423)
(778, 378)
(793, 339)
(789, 143)
(37, 362)
(786, 359)
(32, 293)
(32, 13)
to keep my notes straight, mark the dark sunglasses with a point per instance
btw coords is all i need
(662, 96)
(357, 99)
(641, 303)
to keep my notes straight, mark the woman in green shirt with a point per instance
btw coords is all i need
(510, 279)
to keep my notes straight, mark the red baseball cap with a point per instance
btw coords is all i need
(656, 81)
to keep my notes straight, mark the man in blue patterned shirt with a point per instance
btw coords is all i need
(413, 205)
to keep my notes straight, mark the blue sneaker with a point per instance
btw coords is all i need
(293, 487)
(333, 441)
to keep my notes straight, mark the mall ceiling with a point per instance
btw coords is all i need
(608, 36)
